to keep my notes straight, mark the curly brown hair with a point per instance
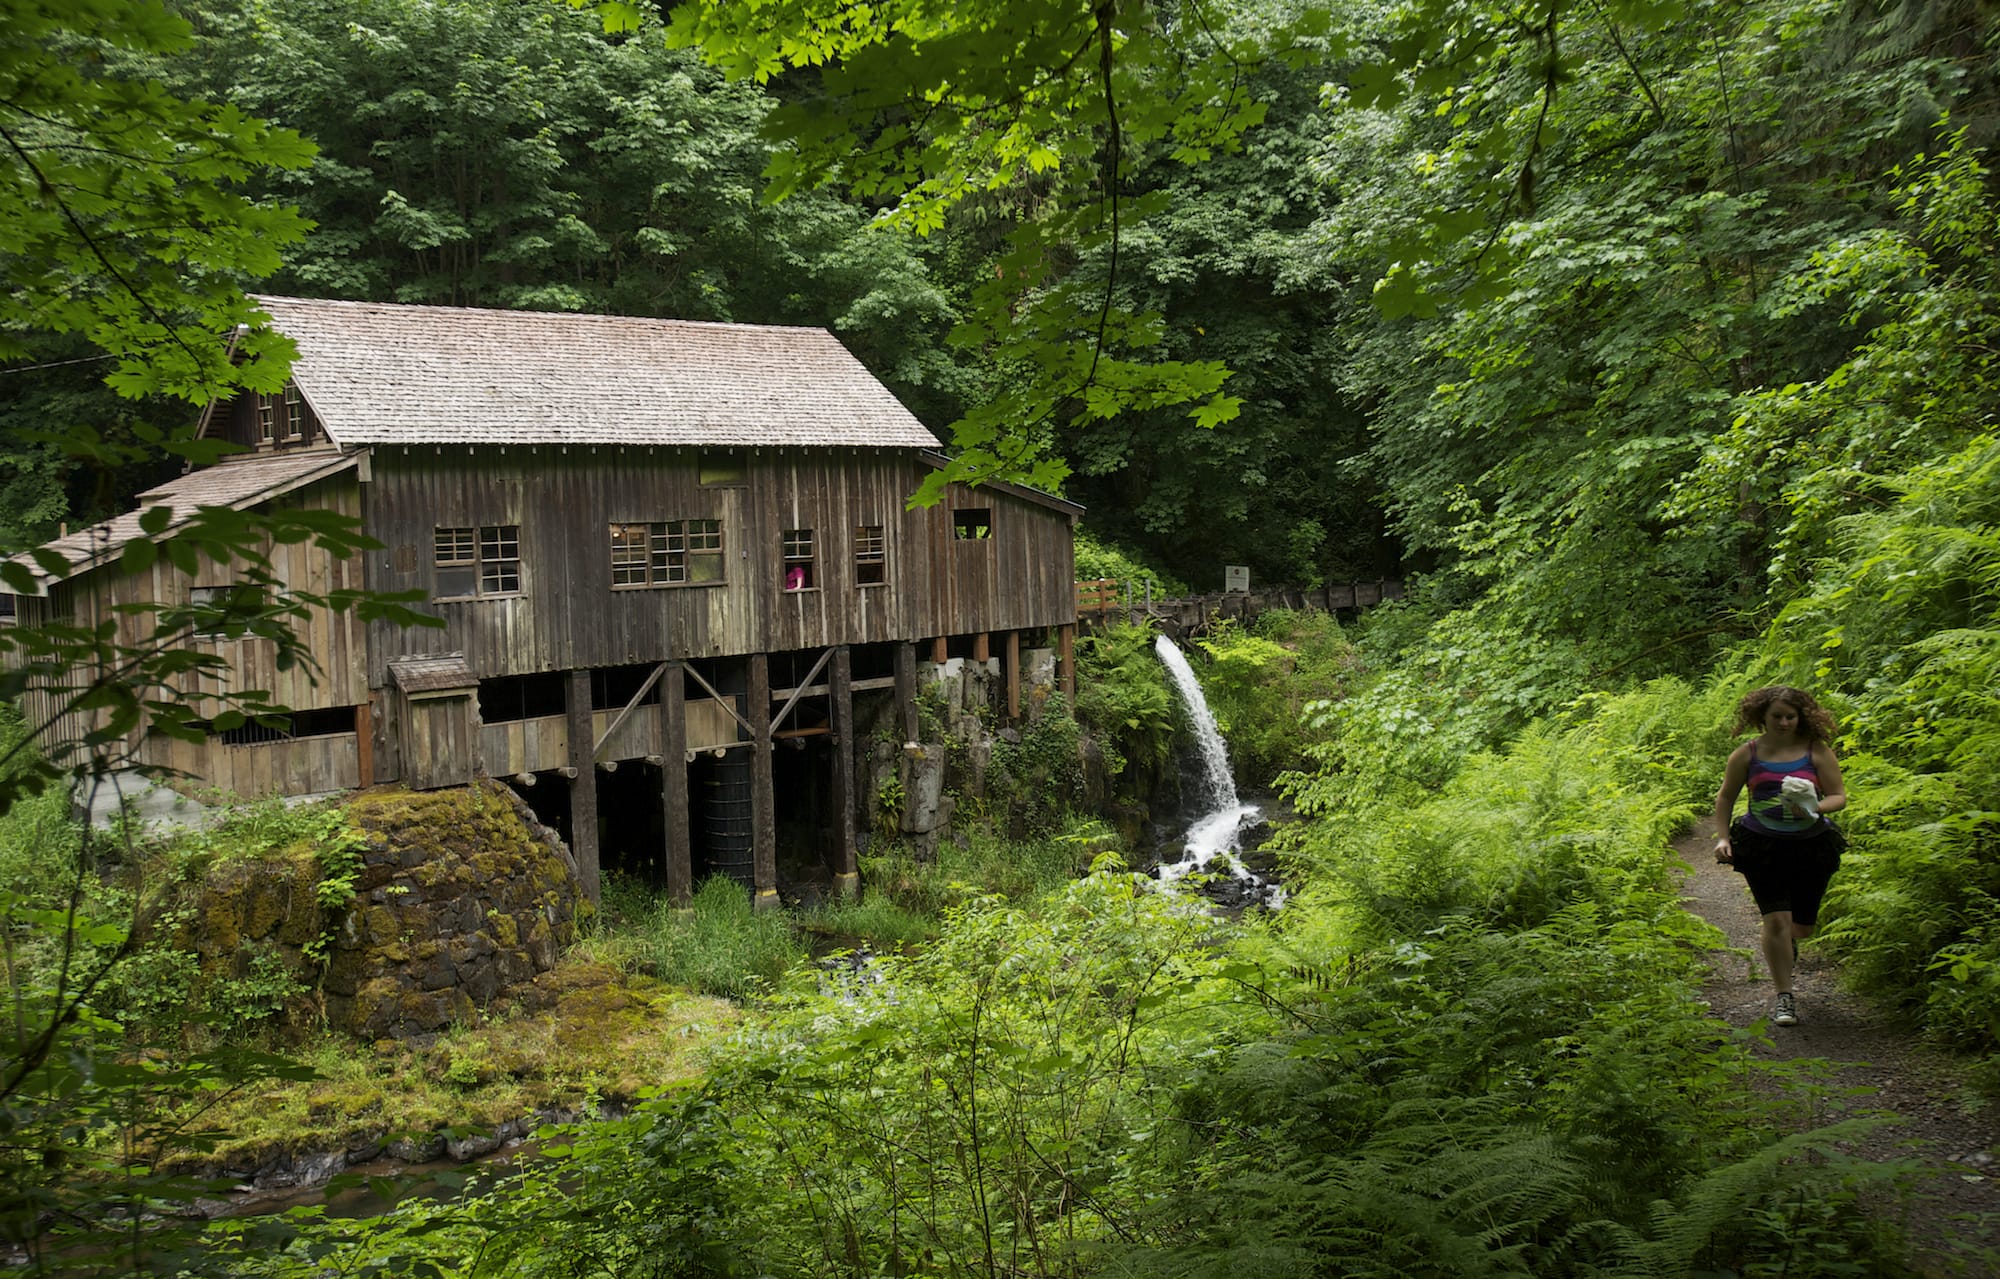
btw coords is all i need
(1815, 724)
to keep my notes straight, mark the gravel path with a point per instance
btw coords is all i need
(1952, 1134)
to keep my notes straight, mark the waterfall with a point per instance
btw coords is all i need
(1213, 838)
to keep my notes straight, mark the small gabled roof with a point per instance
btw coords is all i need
(237, 484)
(432, 673)
(377, 373)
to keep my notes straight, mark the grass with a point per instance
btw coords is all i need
(719, 946)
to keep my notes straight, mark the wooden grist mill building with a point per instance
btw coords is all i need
(678, 581)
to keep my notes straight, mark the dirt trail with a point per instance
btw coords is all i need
(1951, 1133)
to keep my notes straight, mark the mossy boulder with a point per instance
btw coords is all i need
(462, 895)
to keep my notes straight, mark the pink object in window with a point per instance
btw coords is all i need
(795, 578)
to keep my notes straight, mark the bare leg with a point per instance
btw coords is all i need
(1776, 940)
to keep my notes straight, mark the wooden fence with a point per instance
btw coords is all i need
(1101, 601)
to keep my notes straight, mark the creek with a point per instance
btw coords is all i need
(1213, 845)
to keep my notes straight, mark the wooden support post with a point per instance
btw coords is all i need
(846, 861)
(982, 648)
(583, 784)
(940, 651)
(1067, 655)
(906, 690)
(763, 795)
(1012, 662)
(364, 743)
(678, 855)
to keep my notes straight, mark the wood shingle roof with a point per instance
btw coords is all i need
(237, 484)
(377, 373)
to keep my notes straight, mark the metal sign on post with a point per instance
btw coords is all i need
(1236, 577)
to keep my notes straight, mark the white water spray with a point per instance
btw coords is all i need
(1213, 840)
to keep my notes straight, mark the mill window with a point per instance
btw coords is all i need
(212, 601)
(294, 420)
(722, 469)
(972, 523)
(799, 565)
(871, 555)
(479, 561)
(666, 553)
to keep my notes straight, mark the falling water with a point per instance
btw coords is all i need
(1214, 836)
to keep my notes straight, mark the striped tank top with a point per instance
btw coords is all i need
(1767, 812)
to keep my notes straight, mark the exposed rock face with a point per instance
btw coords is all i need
(462, 896)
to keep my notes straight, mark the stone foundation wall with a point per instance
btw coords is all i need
(463, 895)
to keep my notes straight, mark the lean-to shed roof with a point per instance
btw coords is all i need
(237, 484)
(376, 373)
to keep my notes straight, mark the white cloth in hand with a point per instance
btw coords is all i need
(1800, 794)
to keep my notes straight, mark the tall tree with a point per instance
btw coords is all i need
(508, 154)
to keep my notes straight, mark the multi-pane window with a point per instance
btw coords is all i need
(267, 419)
(209, 598)
(478, 561)
(666, 553)
(871, 555)
(799, 565)
(294, 420)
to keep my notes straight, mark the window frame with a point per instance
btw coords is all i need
(869, 561)
(798, 548)
(972, 524)
(292, 422)
(670, 547)
(722, 468)
(478, 548)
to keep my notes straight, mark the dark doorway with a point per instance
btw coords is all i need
(807, 810)
(633, 823)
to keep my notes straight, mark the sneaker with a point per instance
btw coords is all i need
(1788, 1010)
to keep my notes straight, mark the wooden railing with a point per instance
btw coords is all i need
(1099, 600)
(1100, 596)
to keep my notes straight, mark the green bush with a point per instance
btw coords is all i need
(1123, 696)
(1259, 683)
(1097, 561)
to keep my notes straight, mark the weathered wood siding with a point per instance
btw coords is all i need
(298, 766)
(440, 739)
(335, 640)
(568, 616)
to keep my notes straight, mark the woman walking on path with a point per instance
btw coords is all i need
(1783, 844)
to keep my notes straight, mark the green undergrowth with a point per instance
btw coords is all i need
(1258, 681)
(1470, 1045)
(718, 945)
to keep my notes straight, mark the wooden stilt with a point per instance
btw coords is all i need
(1012, 661)
(583, 785)
(846, 861)
(906, 690)
(982, 647)
(763, 795)
(940, 651)
(678, 855)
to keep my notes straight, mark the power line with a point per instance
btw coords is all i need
(56, 364)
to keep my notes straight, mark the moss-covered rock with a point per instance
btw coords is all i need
(462, 895)
(459, 895)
